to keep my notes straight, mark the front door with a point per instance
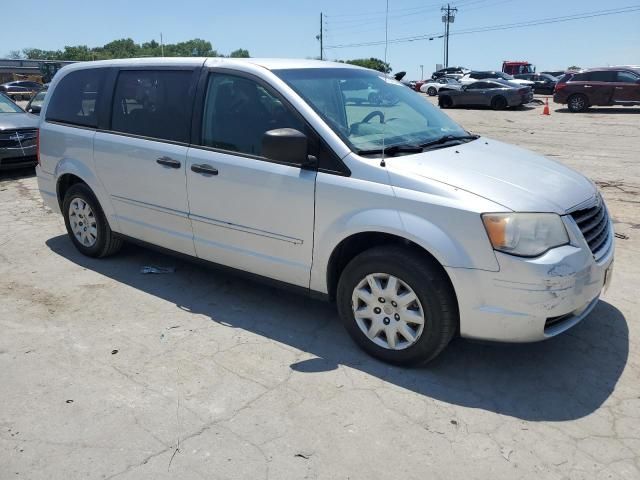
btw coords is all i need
(141, 158)
(475, 94)
(249, 212)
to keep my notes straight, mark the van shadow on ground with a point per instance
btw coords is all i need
(565, 378)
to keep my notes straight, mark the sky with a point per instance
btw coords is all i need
(288, 28)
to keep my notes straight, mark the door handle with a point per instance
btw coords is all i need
(587, 86)
(168, 162)
(619, 88)
(204, 169)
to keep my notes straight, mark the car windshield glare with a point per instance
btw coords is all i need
(368, 110)
(7, 105)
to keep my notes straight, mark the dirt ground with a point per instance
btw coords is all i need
(109, 373)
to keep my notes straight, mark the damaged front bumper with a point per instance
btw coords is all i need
(531, 299)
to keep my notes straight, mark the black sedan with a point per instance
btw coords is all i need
(18, 136)
(497, 94)
(543, 83)
(20, 89)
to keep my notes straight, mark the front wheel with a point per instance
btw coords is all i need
(577, 103)
(432, 92)
(86, 223)
(398, 305)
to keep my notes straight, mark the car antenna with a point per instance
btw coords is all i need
(386, 45)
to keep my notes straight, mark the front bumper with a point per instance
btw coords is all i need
(19, 157)
(532, 299)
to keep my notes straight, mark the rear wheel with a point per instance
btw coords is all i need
(499, 103)
(577, 103)
(86, 223)
(432, 92)
(445, 101)
(398, 305)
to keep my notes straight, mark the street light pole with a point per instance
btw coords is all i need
(421, 72)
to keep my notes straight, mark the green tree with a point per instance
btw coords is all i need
(38, 54)
(240, 53)
(372, 63)
(127, 48)
(123, 48)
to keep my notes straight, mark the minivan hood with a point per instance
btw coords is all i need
(515, 178)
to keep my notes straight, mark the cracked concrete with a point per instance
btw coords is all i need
(217, 377)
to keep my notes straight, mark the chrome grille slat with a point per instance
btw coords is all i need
(593, 222)
(591, 235)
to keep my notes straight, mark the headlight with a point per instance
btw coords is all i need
(525, 234)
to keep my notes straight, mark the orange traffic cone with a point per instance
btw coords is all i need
(545, 111)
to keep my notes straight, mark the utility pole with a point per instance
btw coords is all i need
(161, 45)
(421, 72)
(448, 16)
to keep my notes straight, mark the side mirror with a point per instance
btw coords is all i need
(287, 145)
(35, 110)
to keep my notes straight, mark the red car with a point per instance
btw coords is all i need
(599, 87)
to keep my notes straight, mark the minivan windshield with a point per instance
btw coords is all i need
(370, 111)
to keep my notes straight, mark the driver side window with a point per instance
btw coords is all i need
(238, 111)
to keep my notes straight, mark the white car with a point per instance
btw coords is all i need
(433, 87)
(472, 77)
(417, 229)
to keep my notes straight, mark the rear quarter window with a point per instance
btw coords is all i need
(75, 98)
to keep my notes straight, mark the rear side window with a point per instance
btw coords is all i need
(626, 77)
(74, 99)
(153, 103)
(603, 76)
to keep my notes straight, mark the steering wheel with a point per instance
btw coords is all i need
(370, 115)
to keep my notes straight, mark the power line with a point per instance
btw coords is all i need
(489, 28)
(382, 13)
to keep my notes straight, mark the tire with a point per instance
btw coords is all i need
(414, 272)
(499, 103)
(90, 233)
(445, 101)
(577, 103)
(432, 92)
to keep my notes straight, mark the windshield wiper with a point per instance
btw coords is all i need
(392, 150)
(447, 139)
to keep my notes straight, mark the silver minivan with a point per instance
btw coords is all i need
(416, 228)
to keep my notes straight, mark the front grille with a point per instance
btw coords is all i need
(594, 225)
(24, 137)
